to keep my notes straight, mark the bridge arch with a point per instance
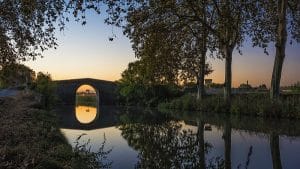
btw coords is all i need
(93, 87)
(66, 90)
(87, 109)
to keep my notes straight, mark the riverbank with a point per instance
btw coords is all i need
(30, 137)
(255, 105)
(86, 100)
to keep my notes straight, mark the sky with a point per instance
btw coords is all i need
(83, 88)
(86, 52)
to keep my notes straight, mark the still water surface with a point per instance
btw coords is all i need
(150, 139)
(85, 114)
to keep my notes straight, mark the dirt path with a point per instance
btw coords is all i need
(29, 136)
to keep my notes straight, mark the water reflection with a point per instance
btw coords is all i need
(227, 143)
(151, 139)
(87, 104)
(86, 114)
(275, 150)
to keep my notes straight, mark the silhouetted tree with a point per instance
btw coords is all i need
(27, 28)
(164, 28)
(143, 83)
(271, 23)
(219, 25)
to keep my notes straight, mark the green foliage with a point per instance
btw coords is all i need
(28, 26)
(31, 138)
(45, 86)
(165, 145)
(15, 75)
(244, 104)
(150, 95)
(296, 87)
(274, 23)
(84, 158)
(140, 86)
(187, 30)
(86, 100)
(217, 85)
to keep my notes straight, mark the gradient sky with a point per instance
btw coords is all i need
(86, 52)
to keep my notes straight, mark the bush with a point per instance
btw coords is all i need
(31, 138)
(146, 95)
(245, 104)
(45, 86)
(16, 75)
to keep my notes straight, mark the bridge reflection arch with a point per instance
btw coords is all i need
(87, 106)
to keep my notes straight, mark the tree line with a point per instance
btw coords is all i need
(190, 31)
(172, 38)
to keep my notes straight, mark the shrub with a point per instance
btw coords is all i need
(245, 104)
(45, 86)
(146, 95)
(16, 75)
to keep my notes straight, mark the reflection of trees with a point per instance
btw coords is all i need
(227, 142)
(275, 151)
(201, 144)
(166, 145)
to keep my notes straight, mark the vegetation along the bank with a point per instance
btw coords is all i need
(255, 104)
(30, 136)
(86, 100)
(173, 45)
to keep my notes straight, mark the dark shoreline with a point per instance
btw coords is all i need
(31, 138)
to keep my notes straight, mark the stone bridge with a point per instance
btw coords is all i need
(66, 90)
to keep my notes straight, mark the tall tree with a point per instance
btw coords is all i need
(272, 22)
(185, 40)
(27, 27)
(229, 31)
(217, 24)
(145, 82)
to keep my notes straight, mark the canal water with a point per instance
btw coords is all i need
(141, 138)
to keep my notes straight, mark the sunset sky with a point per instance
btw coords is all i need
(86, 52)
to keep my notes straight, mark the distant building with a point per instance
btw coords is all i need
(245, 86)
(208, 82)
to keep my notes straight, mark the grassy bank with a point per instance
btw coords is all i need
(246, 104)
(30, 138)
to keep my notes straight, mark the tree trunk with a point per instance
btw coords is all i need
(227, 144)
(228, 74)
(200, 79)
(200, 137)
(275, 151)
(280, 50)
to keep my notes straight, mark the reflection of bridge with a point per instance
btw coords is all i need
(66, 90)
(108, 117)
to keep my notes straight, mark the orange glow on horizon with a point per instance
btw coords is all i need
(83, 88)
